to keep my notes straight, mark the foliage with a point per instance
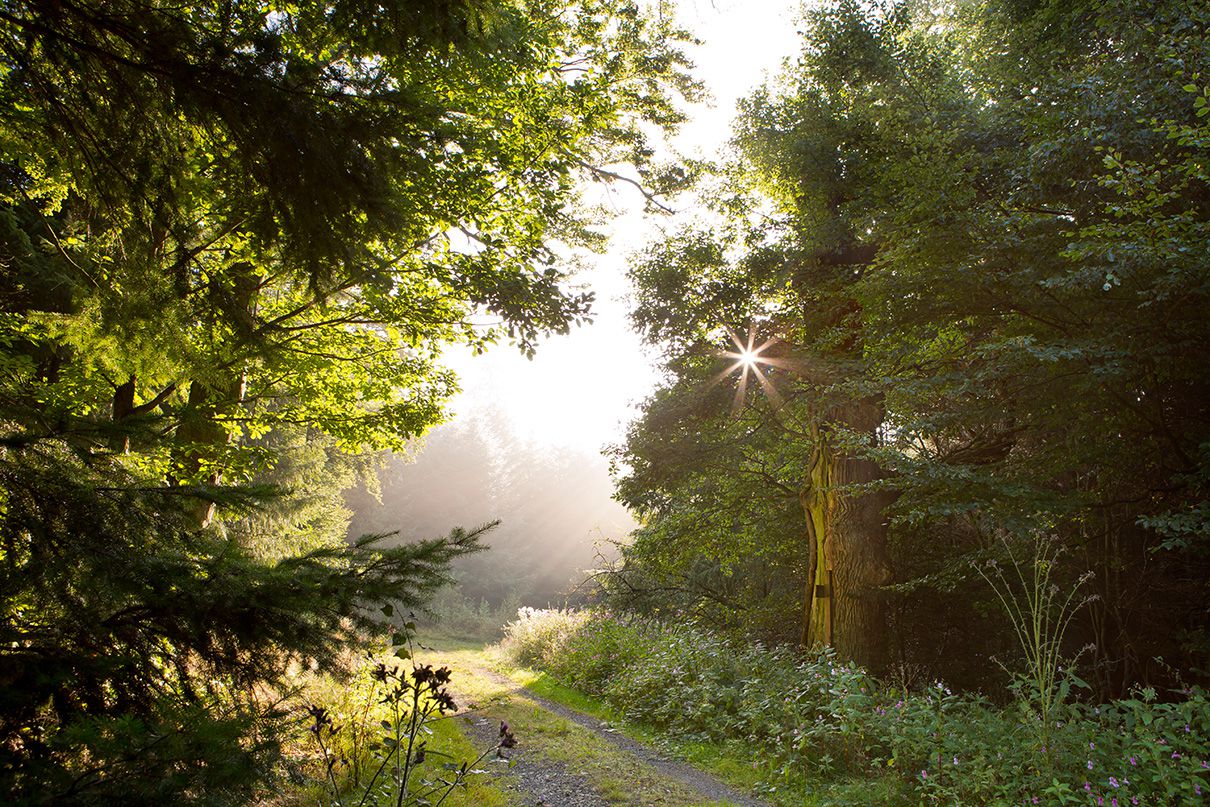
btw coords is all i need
(988, 220)
(151, 620)
(811, 712)
(534, 637)
(1040, 613)
(453, 614)
(233, 239)
(374, 761)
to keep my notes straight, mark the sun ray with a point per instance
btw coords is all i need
(770, 391)
(741, 391)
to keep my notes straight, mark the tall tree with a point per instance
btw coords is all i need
(234, 237)
(978, 230)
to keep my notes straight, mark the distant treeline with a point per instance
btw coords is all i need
(555, 508)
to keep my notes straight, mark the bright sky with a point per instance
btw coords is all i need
(582, 389)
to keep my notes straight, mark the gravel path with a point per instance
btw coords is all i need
(541, 782)
(550, 784)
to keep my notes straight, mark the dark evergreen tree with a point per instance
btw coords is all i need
(233, 238)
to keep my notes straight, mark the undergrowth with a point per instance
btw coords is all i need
(810, 714)
(383, 737)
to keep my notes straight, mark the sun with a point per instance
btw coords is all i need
(748, 359)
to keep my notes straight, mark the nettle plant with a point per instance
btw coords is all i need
(391, 762)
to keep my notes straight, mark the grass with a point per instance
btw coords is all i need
(446, 743)
(481, 790)
(615, 774)
(730, 763)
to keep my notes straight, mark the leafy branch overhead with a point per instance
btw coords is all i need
(234, 237)
(309, 201)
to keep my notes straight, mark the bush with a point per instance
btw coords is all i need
(811, 713)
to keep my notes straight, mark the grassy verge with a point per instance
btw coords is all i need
(730, 763)
(355, 707)
(615, 774)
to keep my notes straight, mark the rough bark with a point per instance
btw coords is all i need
(847, 532)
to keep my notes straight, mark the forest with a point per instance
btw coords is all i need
(918, 510)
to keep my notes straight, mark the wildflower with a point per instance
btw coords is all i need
(1090, 764)
(1113, 782)
(507, 738)
(924, 774)
(1175, 755)
(1091, 745)
(1134, 760)
(1197, 789)
(1088, 786)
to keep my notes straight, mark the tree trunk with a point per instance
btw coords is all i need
(847, 533)
(201, 434)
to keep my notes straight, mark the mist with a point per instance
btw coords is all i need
(557, 517)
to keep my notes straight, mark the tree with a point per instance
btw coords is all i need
(978, 232)
(235, 237)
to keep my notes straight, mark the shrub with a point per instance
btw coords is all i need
(811, 713)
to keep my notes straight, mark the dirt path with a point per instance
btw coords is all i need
(708, 787)
(537, 781)
(565, 758)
